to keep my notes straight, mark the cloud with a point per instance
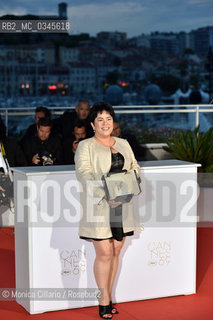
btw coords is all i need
(27, 7)
(133, 17)
(93, 18)
(16, 11)
(104, 10)
(199, 2)
(136, 17)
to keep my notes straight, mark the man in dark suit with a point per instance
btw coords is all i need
(139, 151)
(70, 145)
(40, 112)
(43, 148)
(64, 125)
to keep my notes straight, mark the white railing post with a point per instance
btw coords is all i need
(6, 121)
(197, 115)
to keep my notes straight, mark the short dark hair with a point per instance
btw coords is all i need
(44, 122)
(79, 124)
(99, 107)
(46, 111)
(83, 101)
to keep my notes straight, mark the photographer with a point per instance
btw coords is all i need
(40, 112)
(64, 125)
(11, 155)
(6, 180)
(42, 148)
(138, 150)
(70, 145)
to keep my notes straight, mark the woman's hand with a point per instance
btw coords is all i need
(114, 204)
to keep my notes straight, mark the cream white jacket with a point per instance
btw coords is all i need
(92, 160)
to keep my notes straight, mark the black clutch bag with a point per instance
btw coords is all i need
(121, 186)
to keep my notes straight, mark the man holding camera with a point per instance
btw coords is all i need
(40, 112)
(70, 145)
(43, 149)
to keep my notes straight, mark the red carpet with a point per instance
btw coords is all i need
(198, 306)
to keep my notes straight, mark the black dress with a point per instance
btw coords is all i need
(116, 224)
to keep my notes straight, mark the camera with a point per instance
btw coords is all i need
(46, 158)
(80, 140)
(7, 185)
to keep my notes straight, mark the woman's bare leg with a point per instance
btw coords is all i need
(102, 266)
(117, 246)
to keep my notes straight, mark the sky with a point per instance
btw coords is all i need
(133, 17)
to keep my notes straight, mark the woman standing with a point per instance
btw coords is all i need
(106, 223)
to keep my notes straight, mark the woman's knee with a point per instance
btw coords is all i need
(104, 251)
(117, 250)
(105, 255)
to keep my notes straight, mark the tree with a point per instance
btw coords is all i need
(112, 77)
(188, 51)
(117, 62)
(168, 83)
